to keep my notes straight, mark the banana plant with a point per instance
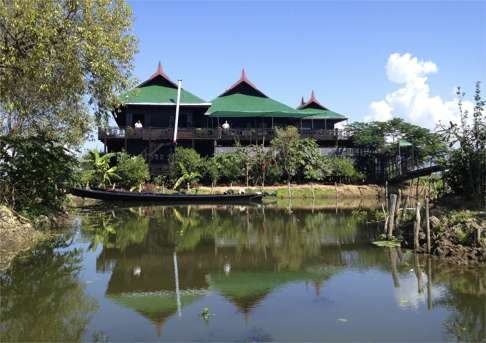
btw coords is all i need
(187, 177)
(98, 168)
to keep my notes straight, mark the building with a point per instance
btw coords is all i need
(241, 115)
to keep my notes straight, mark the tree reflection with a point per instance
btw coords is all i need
(246, 253)
(465, 296)
(42, 298)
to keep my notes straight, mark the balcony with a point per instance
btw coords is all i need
(154, 134)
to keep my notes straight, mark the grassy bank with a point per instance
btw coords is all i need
(300, 191)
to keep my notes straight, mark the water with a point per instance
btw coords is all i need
(263, 274)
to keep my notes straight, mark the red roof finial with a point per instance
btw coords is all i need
(243, 74)
(312, 96)
(159, 72)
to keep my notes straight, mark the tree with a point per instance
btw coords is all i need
(184, 161)
(466, 166)
(344, 169)
(132, 170)
(231, 166)
(35, 173)
(213, 170)
(286, 145)
(59, 60)
(373, 136)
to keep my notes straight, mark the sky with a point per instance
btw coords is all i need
(367, 60)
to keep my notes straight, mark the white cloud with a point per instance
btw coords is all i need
(413, 101)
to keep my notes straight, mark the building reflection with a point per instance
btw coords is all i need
(163, 259)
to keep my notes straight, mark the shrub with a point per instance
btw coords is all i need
(231, 166)
(183, 161)
(35, 173)
(133, 171)
(343, 169)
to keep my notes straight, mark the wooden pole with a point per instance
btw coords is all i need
(416, 227)
(427, 222)
(397, 209)
(391, 222)
(386, 195)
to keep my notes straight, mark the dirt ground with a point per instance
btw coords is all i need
(16, 235)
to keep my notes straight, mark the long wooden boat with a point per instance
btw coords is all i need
(167, 198)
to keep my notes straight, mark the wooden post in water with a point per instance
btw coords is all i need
(391, 221)
(427, 222)
(397, 209)
(418, 273)
(416, 230)
(386, 195)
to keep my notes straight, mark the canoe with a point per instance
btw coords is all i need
(167, 198)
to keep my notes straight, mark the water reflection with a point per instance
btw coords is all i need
(246, 253)
(267, 274)
(42, 298)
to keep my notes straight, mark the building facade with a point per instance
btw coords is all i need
(241, 115)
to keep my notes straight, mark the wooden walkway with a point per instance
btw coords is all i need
(412, 174)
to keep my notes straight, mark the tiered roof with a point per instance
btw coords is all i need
(244, 99)
(159, 89)
(315, 110)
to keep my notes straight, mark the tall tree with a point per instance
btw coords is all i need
(466, 165)
(286, 145)
(59, 61)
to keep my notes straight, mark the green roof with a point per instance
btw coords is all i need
(244, 105)
(313, 109)
(244, 99)
(314, 113)
(405, 143)
(157, 94)
(159, 90)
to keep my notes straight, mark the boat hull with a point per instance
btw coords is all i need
(167, 198)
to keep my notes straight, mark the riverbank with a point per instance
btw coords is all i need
(302, 191)
(17, 234)
(457, 236)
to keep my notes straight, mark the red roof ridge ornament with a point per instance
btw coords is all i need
(313, 97)
(243, 79)
(159, 72)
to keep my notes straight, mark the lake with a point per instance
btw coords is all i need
(234, 273)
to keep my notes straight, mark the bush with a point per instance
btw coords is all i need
(231, 165)
(133, 171)
(35, 173)
(183, 161)
(343, 169)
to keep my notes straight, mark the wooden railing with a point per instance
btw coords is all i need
(153, 133)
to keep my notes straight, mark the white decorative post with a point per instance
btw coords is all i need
(178, 103)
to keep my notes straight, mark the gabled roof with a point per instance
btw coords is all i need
(159, 90)
(313, 109)
(244, 99)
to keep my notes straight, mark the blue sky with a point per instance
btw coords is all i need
(338, 48)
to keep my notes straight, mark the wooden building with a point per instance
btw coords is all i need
(242, 114)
